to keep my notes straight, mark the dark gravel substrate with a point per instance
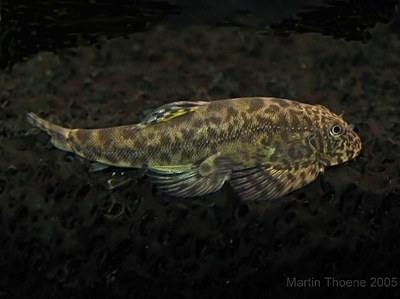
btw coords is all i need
(63, 234)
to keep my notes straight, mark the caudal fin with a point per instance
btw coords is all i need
(59, 135)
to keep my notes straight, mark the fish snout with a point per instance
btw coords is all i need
(354, 141)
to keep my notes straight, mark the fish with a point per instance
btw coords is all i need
(264, 147)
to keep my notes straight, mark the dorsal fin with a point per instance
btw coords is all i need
(171, 111)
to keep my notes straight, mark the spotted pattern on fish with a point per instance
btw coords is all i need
(265, 147)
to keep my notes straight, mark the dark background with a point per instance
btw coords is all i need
(64, 234)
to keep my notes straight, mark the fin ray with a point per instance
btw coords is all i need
(193, 180)
(58, 134)
(266, 182)
(97, 166)
(170, 111)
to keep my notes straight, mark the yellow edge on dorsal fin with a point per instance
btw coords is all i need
(170, 111)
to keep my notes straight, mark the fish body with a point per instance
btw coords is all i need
(265, 147)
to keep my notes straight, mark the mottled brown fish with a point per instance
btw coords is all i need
(265, 147)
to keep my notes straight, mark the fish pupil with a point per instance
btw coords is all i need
(336, 129)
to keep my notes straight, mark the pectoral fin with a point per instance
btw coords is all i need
(193, 180)
(97, 166)
(171, 111)
(266, 182)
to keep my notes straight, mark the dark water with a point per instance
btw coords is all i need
(64, 233)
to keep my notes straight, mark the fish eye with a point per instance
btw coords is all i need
(336, 130)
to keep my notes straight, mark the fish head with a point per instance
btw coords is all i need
(340, 143)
